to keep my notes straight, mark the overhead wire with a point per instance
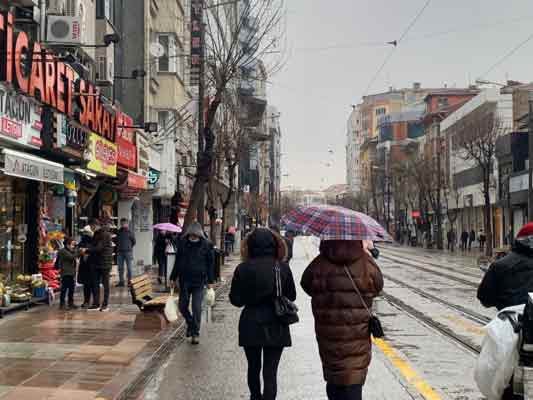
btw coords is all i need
(396, 43)
(507, 55)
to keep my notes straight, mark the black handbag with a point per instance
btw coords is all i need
(374, 324)
(286, 311)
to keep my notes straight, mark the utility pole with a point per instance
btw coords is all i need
(530, 137)
(438, 211)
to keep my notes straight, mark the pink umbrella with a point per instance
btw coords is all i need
(232, 229)
(167, 226)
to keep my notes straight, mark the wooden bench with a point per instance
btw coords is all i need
(152, 307)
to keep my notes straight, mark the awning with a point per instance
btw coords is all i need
(27, 166)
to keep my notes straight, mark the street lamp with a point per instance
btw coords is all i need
(148, 127)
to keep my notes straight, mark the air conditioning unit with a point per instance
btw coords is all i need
(63, 29)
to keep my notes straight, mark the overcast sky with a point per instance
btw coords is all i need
(454, 42)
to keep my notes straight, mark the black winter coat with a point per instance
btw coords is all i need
(253, 288)
(508, 280)
(85, 272)
(195, 263)
(101, 250)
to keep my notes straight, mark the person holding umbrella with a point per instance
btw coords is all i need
(163, 245)
(342, 282)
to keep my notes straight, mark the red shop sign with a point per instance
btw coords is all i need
(415, 214)
(125, 140)
(136, 181)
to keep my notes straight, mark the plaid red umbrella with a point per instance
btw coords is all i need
(335, 223)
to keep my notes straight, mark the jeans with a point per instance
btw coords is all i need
(193, 320)
(271, 357)
(124, 258)
(101, 276)
(67, 285)
(337, 392)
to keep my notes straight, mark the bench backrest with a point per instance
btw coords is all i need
(141, 289)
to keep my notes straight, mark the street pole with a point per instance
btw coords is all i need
(530, 137)
(439, 189)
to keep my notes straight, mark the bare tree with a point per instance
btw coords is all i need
(237, 35)
(475, 137)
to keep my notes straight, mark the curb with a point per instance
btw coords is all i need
(129, 384)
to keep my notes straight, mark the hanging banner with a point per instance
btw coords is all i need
(197, 46)
(102, 155)
(125, 140)
(136, 181)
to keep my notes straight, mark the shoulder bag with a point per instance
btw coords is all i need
(286, 310)
(374, 324)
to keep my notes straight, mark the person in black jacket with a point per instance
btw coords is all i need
(260, 332)
(193, 270)
(125, 244)
(161, 242)
(509, 279)
(85, 271)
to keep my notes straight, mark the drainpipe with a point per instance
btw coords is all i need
(42, 22)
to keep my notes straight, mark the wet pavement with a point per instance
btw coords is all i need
(50, 354)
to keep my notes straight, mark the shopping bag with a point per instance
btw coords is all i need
(210, 297)
(499, 356)
(171, 307)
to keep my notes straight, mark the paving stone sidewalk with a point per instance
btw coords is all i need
(50, 354)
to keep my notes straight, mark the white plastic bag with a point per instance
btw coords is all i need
(171, 307)
(210, 297)
(498, 358)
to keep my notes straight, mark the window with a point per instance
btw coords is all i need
(381, 111)
(442, 102)
(168, 62)
(166, 122)
(71, 9)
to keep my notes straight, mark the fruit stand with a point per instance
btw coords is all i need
(24, 292)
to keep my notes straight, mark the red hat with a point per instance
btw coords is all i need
(527, 230)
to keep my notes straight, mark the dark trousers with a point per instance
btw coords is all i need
(336, 392)
(470, 244)
(162, 264)
(87, 292)
(271, 357)
(193, 320)
(67, 285)
(101, 276)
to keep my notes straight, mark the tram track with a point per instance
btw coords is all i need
(431, 271)
(431, 323)
(469, 314)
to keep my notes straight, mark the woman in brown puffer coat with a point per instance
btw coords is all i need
(341, 320)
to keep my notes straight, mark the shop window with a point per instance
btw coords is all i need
(168, 61)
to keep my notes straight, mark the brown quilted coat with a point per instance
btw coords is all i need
(341, 321)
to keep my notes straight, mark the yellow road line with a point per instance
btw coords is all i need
(405, 369)
(466, 325)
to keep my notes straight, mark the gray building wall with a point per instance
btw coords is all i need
(130, 54)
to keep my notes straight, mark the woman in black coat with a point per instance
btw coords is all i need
(253, 287)
(86, 276)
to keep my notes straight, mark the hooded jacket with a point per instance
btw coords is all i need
(195, 261)
(509, 279)
(253, 287)
(101, 250)
(341, 320)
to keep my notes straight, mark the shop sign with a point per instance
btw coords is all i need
(102, 155)
(415, 214)
(153, 177)
(20, 118)
(125, 140)
(143, 150)
(197, 9)
(136, 181)
(31, 167)
(51, 81)
(70, 134)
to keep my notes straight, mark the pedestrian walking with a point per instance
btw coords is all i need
(160, 250)
(464, 240)
(452, 240)
(101, 258)
(193, 270)
(229, 242)
(289, 241)
(125, 244)
(482, 240)
(341, 320)
(471, 239)
(509, 280)
(86, 275)
(67, 262)
(413, 236)
(261, 333)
